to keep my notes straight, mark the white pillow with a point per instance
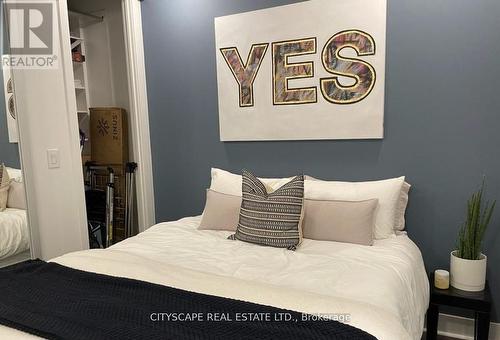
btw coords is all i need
(4, 186)
(403, 203)
(4, 196)
(388, 193)
(17, 196)
(228, 183)
(15, 174)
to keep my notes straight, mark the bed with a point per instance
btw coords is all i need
(14, 233)
(383, 289)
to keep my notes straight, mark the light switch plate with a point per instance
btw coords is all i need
(53, 158)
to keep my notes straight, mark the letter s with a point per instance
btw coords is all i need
(361, 71)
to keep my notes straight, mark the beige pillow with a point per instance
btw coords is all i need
(341, 221)
(222, 212)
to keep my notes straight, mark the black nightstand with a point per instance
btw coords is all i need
(478, 302)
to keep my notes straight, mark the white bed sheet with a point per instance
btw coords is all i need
(14, 233)
(384, 288)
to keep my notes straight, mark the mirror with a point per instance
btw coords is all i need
(14, 231)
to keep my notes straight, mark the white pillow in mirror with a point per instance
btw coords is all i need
(15, 174)
(17, 196)
(4, 186)
(4, 194)
(388, 193)
(228, 183)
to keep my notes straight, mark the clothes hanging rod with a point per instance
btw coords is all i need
(96, 17)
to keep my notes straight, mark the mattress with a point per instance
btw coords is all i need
(14, 233)
(382, 289)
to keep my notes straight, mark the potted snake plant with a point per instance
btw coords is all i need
(468, 263)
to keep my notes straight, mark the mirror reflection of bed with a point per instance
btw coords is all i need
(14, 231)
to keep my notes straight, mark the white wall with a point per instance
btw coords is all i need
(46, 120)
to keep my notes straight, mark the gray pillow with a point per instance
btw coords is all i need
(221, 212)
(271, 218)
(342, 221)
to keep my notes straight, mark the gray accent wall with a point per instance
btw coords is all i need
(442, 116)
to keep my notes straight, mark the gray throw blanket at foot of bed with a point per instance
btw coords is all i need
(57, 302)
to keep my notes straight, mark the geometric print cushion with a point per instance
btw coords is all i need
(271, 219)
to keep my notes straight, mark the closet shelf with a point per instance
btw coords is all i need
(75, 42)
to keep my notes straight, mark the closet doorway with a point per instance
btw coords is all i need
(52, 113)
(109, 92)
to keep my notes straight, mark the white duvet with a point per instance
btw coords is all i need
(14, 233)
(383, 288)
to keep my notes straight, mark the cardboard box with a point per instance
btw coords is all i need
(109, 135)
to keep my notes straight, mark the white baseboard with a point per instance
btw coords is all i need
(463, 328)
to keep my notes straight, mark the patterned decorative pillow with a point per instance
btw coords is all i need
(271, 219)
(4, 186)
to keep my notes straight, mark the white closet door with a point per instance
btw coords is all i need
(47, 120)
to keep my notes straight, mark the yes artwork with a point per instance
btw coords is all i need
(312, 70)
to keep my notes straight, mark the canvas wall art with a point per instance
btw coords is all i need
(306, 71)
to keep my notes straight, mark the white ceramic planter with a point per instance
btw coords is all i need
(469, 275)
